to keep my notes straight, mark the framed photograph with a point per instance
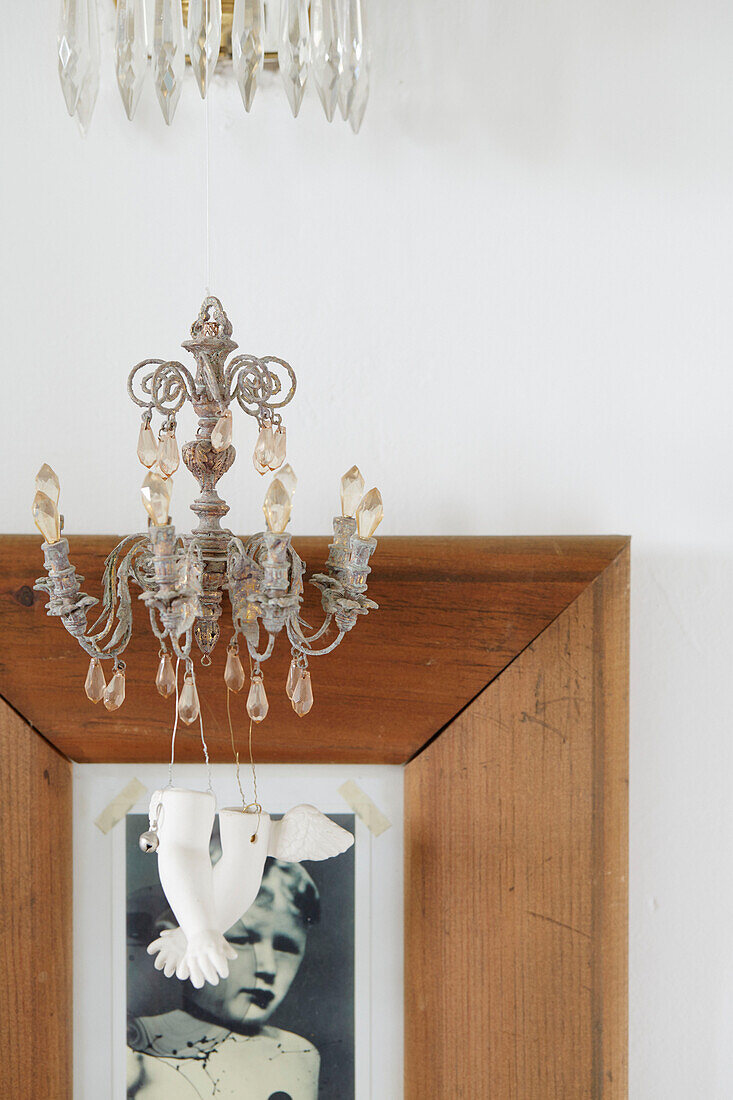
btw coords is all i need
(296, 1019)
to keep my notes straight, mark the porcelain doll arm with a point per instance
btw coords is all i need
(184, 865)
(238, 874)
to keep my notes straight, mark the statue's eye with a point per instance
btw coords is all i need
(243, 938)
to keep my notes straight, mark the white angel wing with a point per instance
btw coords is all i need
(306, 833)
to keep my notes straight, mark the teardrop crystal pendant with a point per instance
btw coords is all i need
(221, 436)
(233, 673)
(326, 53)
(257, 705)
(90, 83)
(293, 677)
(357, 59)
(264, 450)
(293, 52)
(131, 52)
(169, 55)
(147, 445)
(188, 701)
(352, 490)
(248, 46)
(204, 40)
(165, 680)
(73, 50)
(114, 694)
(278, 447)
(46, 518)
(168, 457)
(156, 493)
(95, 683)
(47, 482)
(303, 694)
(369, 514)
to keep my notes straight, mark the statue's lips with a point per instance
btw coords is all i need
(259, 997)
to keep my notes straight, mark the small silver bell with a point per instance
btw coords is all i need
(148, 842)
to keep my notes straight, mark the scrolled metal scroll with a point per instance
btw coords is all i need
(166, 388)
(254, 385)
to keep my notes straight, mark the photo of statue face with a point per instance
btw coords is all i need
(231, 1039)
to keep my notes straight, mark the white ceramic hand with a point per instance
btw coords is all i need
(206, 959)
(169, 950)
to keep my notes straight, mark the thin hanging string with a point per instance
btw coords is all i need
(175, 727)
(235, 752)
(207, 162)
(206, 749)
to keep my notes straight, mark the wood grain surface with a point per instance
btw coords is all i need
(35, 915)
(516, 874)
(453, 613)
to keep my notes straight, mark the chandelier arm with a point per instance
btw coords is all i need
(307, 652)
(259, 657)
(318, 634)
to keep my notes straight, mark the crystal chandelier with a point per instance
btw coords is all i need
(183, 577)
(325, 38)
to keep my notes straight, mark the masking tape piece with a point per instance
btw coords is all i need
(120, 805)
(364, 808)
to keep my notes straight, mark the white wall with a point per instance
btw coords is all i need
(507, 299)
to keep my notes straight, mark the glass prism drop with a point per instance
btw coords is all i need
(131, 52)
(47, 482)
(204, 40)
(221, 436)
(352, 490)
(90, 84)
(369, 514)
(257, 705)
(168, 457)
(147, 445)
(303, 695)
(327, 52)
(293, 52)
(46, 518)
(165, 680)
(233, 673)
(95, 683)
(278, 447)
(73, 50)
(293, 677)
(264, 450)
(248, 46)
(114, 694)
(188, 702)
(169, 55)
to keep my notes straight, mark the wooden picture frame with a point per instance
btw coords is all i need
(496, 671)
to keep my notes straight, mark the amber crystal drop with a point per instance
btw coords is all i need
(264, 451)
(188, 702)
(278, 447)
(114, 695)
(168, 457)
(47, 482)
(95, 682)
(257, 705)
(46, 518)
(233, 673)
(221, 436)
(369, 514)
(293, 677)
(303, 694)
(165, 681)
(147, 445)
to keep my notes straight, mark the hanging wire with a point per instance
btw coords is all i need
(207, 162)
(235, 752)
(175, 727)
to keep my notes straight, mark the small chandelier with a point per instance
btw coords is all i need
(323, 38)
(183, 577)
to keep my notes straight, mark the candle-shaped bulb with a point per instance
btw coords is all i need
(369, 514)
(352, 490)
(277, 507)
(288, 478)
(46, 517)
(47, 482)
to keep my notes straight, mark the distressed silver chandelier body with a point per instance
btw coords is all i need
(183, 578)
